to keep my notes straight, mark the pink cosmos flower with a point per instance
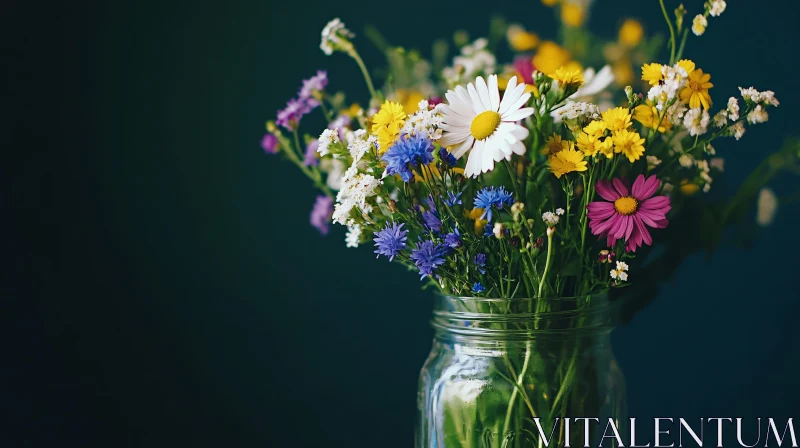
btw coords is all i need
(629, 212)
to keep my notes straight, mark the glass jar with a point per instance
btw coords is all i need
(498, 366)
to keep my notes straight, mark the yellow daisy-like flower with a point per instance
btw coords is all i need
(550, 57)
(696, 91)
(475, 214)
(687, 65)
(555, 144)
(591, 145)
(630, 33)
(648, 116)
(572, 14)
(628, 143)
(520, 39)
(596, 128)
(652, 73)
(567, 161)
(568, 77)
(617, 119)
(386, 124)
(352, 111)
(623, 72)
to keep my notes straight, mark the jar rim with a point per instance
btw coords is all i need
(478, 299)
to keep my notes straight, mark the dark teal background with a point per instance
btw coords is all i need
(162, 286)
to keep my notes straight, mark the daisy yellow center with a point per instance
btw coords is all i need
(626, 205)
(484, 124)
(694, 85)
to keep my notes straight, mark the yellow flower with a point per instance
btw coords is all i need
(549, 2)
(409, 99)
(554, 144)
(617, 119)
(696, 90)
(386, 124)
(652, 73)
(630, 33)
(623, 72)
(567, 161)
(568, 77)
(591, 145)
(352, 111)
(550, 57)
(648, 116)
(572, 14)
(687, 65)
(520, 39)
(689, 188)
(475, 214)
(629, 143)
(596, 128)
(423, 175)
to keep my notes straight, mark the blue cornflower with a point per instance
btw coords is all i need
(453, 198)
(431, 217)
(406, 154)
(453, 239)
(477, 288)
(391, 240)
(488, 230)
(480, 262)
(428, 256)
(490, 197)
(446, 157)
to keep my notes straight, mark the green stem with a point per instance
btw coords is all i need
(671, 33)
(547, 263)
(354, 54)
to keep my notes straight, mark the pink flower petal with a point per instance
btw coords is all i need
(600, 210)
(654, 203)
(610, 240)
(621, 187)
(599, 227)
(643, 233)
(618, 228)
(648, 188)
(629, 225)
(637, 186)
(605, 190)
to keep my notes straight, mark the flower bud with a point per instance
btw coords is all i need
(499, 230)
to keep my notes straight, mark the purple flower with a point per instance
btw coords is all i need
(391, 240)
(477, 288)
(480, 262)
(310, 158)
(453, 239)
(290, 116)
(317, 83)
(453, 199)
(446, 157)
(428, 256)
(431, 217)
(269, 143)
(488, 230)
(321, 213)
(408, 153)
(490, 197)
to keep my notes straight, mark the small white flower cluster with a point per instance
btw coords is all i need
(574, 111)
(621, 272)
(717, 7)
(550, 218)
(353, 235)
(335, 37)
(359, 145)
(699, 24)
(766, 97)
(767, 207)
(326, 139)
(354, 193)
(696, 121)
(335, 169)
(425, 121)
(652, 162)
(665, 92)
(474, 60)
(704, 168)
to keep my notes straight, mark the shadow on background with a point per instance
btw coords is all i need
(165, 290)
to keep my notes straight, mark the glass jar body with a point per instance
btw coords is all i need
(517, 373)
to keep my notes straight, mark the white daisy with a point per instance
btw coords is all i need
(477, 119)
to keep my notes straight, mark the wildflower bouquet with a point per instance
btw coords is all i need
(531, 180)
